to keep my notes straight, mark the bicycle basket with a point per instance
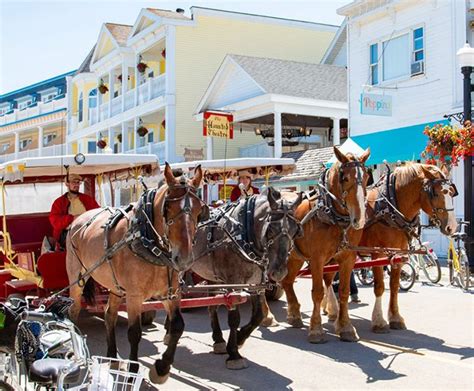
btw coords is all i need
(110, 374)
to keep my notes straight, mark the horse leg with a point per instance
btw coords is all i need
(75, 293)
(395, 320)
(293, 311)
(160, 370)
(255, 319)
(111, 313)
(235, 360)
(219, 346)
(268, 317)
(379, 325)
(316, 333)
(344, 327)
(331, 307)
(134, 312)
(166, 338)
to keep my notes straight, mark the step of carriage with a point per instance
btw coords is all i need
(5, 276)
(19, 286)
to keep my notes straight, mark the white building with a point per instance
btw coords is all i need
(403, 74)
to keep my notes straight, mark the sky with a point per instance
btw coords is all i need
(42, 39)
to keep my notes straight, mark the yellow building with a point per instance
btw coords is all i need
(140, 85)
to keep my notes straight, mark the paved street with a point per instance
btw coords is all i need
(435, 353)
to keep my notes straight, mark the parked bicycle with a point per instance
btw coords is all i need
(458, 262)
(428, 263)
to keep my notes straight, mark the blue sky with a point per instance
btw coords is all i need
(42, 39)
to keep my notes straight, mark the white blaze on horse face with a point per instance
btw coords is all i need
(360, 199)
(451, 223)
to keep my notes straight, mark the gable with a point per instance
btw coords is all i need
(232, 85)
(143, 23)
(104, 47)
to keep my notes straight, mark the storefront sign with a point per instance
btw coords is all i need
(218, 125)
(191, 154)
(372, 104)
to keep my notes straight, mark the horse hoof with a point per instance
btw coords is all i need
(166, 339)
(317, 338)
(348, 336)
(295, 322)
(219, 348)
(269, 322)
(384, 329)
(398, 325)
(240, 363)
(155, 378)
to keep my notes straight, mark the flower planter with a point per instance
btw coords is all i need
(141, 66)
(103, 89)
(142, 131)
(101, 144)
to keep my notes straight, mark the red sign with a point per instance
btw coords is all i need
(218, 125)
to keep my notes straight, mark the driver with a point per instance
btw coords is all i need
(245, 178)
(67, 207)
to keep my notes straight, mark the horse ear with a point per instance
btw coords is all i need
(363, 158)
(445, 170)
(429, 171)
(169, 177)
(273, 196)
(196, 181)
(298, 201)
(340, 156)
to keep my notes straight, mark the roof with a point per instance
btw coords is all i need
(292, 78)
(168, 14)
(85, 66)
(336, 45)
(120, 32)
(309, 164)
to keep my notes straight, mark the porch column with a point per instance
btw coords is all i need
(209, 147)
(111, 138)
(134, 134)
(336, 131)
(124, 84)
(137, 84)
(124, 137)
(97, 138)
(277, 139)
(40, 141)
(111, 90)
(99, 101)
(17, 144)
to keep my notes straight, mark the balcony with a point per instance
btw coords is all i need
(52, 150)
(151, 89)
(157, 149)
(39, 109)
(256, 150)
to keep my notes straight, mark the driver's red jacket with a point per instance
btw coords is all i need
(59, 216)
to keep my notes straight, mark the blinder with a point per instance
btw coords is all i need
(428, 187)
(351, 164)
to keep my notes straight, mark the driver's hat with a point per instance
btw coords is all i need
(245, 173)
(73, 178)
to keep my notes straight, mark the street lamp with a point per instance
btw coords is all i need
(466, 61)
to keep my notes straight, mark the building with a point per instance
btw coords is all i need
(33, 120)
(403, 75)
(139, 87)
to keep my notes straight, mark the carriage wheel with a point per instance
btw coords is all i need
(148, 317)
(274, 293)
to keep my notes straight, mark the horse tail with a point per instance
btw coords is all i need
(89, 292)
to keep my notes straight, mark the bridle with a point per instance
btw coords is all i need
(428, 188)
(360, 168)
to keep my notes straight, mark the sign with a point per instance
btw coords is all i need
(372, 104)
(193, 154)
(218, 125)
(225, 195)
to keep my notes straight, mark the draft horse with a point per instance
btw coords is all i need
(159, 234)
(332, 220)
(247, 242)
(393, 208)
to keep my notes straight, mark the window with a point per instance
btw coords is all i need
(23, 105)
(5, 147)
(395, 58)
(91, 147)
(48, 138)
(80, 108)
(48, 97)
(150, 137)
(374, 64)
(24, 143)
(4, 109)
(418, 45)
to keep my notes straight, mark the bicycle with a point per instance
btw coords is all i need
(428, 263)
(458, 262)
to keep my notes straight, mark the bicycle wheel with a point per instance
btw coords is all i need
(431, 267)
(464, 272)
(407, 277)
(365, 276)
(450, 267)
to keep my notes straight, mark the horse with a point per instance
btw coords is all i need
(393, 207)
(332, 220)
(246, 243)
(153, 244)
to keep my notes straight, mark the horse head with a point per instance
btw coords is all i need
(348, 179)
(181, 209)
(437, 197)
(276, 227)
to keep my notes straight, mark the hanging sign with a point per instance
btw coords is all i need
(218, 125)
(374, 104)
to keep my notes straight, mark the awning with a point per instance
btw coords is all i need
(348, 146)
(404, 144)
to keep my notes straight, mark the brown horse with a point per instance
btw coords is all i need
(417, 187)
(172, 218)
(325, 234)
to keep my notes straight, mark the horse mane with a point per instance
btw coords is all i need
(411, 171)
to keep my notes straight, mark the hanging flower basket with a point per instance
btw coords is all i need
(447, 144)
(102, 88)
(101, 144)
(141, 66)
(163, 124)
(163, 53)
(119, 137)
(142, 131)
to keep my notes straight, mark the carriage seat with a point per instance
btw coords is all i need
(52, 268)
(47, 371)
